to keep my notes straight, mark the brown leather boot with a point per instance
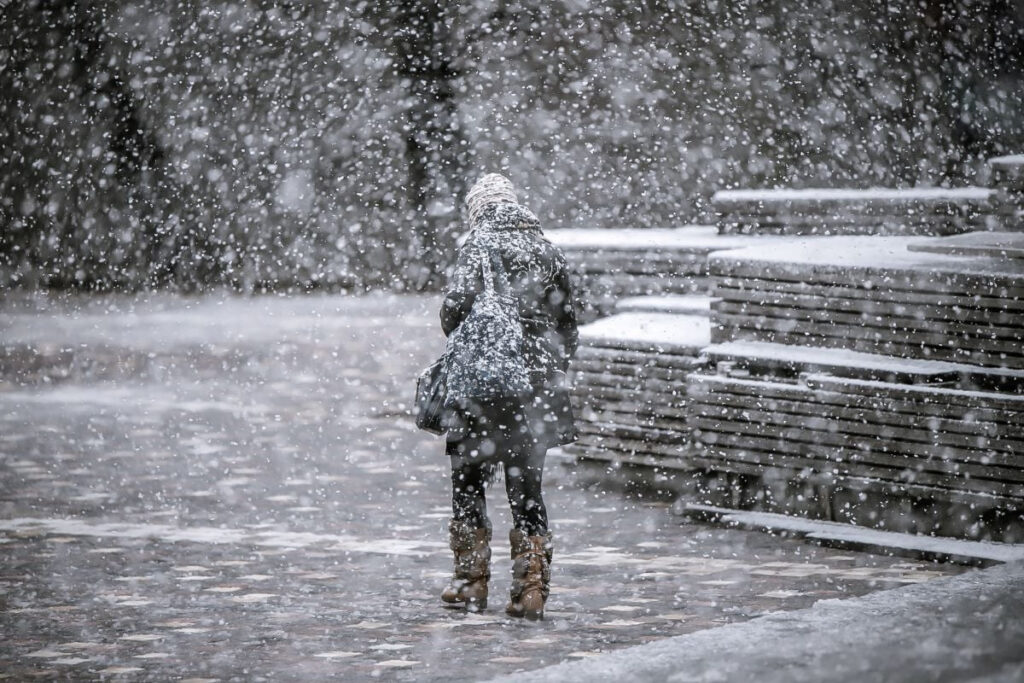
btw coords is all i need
(531, 574)
(472, 551)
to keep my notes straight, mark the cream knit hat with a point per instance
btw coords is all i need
(492, 188)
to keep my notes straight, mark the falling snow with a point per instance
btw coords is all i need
(794, 238)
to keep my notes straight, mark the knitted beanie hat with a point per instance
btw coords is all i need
(492, 188)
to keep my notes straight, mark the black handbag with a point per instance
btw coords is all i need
(431, 389)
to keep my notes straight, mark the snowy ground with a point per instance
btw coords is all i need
(222, 488)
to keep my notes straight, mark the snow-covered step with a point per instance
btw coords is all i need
(932, 197)
(693, 304)
(840, 211)
(612, 264)
(998, 244)
(650, 242)
(874, 295)
(871, 540)
(787, 360)
(660, 332)
(629, 385)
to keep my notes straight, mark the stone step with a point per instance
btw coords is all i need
(693, 304)
(611, 264)
(658, 332)
(873, 211)
(874, 295)
(998, 244)
(930, 547)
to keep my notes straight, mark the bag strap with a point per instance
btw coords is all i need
(485, 274)
(502, 285)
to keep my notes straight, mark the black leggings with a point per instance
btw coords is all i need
(498, 436)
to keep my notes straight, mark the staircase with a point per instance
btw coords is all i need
(872, 379)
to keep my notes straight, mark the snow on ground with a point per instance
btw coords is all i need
(220, 535)
(219, 320)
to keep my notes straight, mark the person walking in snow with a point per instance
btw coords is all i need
(510, 319)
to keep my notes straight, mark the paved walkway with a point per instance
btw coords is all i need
(217, 489)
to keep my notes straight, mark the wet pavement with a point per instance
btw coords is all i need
(230, 489)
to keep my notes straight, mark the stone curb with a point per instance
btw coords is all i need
(968, 627)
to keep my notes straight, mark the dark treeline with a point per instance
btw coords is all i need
(148, 143)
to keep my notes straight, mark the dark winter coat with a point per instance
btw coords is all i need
(539, 281)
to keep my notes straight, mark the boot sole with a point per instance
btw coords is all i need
(527, 617)
(469, 606)
(524, 614)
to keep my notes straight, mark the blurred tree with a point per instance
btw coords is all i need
(419, 37)
(268, 144)
(73, 148)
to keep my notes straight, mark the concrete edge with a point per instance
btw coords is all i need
(936, 548)
(856, 628)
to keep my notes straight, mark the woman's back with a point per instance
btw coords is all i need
(508, 236)
(505, 257)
